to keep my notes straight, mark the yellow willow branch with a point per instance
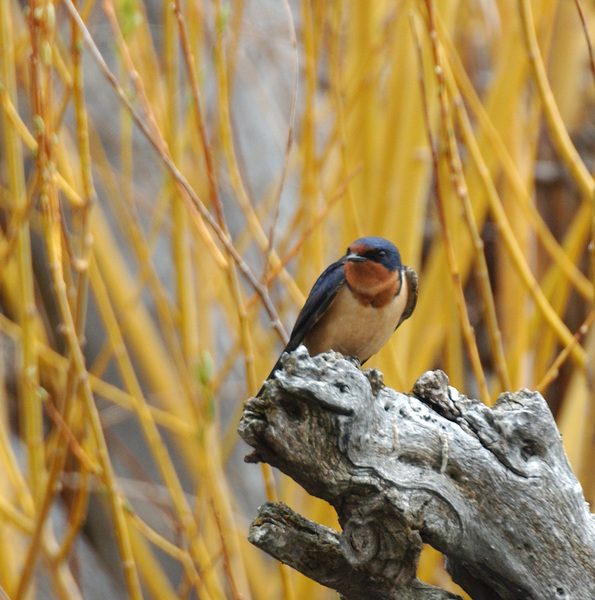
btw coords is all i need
(466, 327)
(554, 369)
(29, 376)
(556, 127)
(90, 196)
(461, 190)
(181, 241)
(167, 547)
(15, 120)
(277, 200)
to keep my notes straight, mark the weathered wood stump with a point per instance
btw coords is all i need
(490, 488)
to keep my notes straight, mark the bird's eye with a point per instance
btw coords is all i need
(381, 254)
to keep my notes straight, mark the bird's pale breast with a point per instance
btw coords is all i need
(355, 329)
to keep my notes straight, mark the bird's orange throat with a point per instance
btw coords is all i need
(371, 283)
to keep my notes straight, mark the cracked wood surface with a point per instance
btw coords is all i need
(491, 488)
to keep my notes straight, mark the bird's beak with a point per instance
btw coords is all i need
(356, 258)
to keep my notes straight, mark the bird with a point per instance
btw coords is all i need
(356, 303)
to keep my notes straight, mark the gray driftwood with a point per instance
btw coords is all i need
(490, 488)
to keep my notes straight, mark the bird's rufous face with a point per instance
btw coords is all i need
(370, 276)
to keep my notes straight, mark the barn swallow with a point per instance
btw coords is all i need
(357, 302)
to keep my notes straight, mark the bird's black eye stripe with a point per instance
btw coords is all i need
(375, 255)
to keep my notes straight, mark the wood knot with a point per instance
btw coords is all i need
(360, 541)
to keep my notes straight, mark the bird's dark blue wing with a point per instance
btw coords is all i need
(411, 278)
(321, 296)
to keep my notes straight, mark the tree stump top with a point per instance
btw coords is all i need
(490, 488)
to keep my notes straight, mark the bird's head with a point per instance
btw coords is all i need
(377, 250)
(371, 264)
